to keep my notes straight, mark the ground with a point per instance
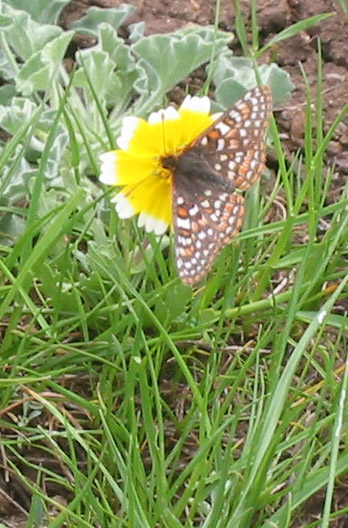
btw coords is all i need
(299, 56)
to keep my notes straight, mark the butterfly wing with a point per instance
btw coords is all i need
(229, 155)
(204, 223)
(235, 144)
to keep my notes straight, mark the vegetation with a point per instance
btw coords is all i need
(129, 399)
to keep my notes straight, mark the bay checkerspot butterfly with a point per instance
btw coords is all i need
(208, 176)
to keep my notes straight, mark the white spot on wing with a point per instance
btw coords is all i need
(184, 223)
(224, 129)
(220, 144)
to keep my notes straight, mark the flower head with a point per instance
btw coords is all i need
(136, 167)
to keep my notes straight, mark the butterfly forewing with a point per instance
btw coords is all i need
(235, 144)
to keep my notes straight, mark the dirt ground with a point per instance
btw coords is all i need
(296, 55)
(162, 16)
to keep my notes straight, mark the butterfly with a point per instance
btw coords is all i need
(227, 157)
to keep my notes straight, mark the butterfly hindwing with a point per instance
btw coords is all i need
(202, 227)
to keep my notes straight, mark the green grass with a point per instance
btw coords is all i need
(144, 403)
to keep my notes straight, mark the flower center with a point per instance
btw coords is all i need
(167, 165)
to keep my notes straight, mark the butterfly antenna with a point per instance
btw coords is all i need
(163, 133)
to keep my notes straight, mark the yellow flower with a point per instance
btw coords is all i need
(137, 165)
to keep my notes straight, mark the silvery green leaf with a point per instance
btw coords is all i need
(7, 69)
(209, 34)
(15, 179)
(234, 75)
(59, 145)
(111, 43)
(167, 59)
(7, 92)
(110, 68)
(227, 66)
(24, 35)
(100, 71)
(34, 75)
(53, 52)
(278, 80)
(39, 71)
(88, 25)
(136, 31)
(227, 93)
(43, 11)
(17, 114)
(12, 227)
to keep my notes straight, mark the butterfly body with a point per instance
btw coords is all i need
(226, 158)
(191, 170)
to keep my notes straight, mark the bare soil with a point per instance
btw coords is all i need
(298, 55)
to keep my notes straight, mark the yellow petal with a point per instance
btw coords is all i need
(131, 170)
(140, 138)
(118, 167)
(194, 118)
(151, 197)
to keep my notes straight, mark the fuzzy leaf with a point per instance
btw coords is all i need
(59, 145)
(110, 67)
(167, 59)
(14, 186)
(136, 31)
(172, 304)
(111, 43)
(24, 35)
(234, 75)
(100, 70)
(19, 113)
(40, 10)
(39, 71)
(278, 80)
(7, 71)
(88, 25)
(7, 92)
(12, 228)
